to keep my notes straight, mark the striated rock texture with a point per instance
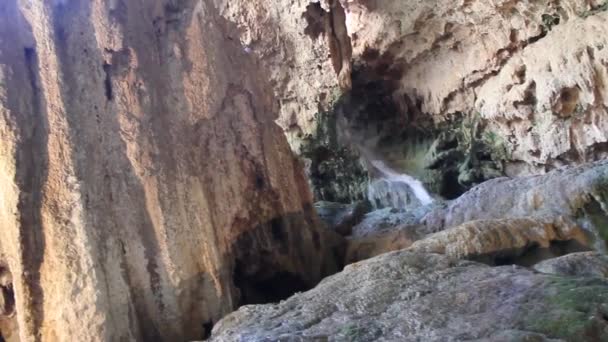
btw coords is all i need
(406, 296)
(145, 187)
(536, 72)
(519, 220)
(563, 192)
(520, 241)
(306, 50)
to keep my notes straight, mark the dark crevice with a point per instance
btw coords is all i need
(207, 328)
(7, 295)
(278, 258)
(32, 165)
(277, 229)
(531, 255)
(108, 81)
(315, 19)
(261, 289)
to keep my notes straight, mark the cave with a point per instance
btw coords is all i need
(262, 289)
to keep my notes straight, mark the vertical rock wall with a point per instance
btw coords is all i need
(140, 171)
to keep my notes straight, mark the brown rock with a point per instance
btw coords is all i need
(141, 174)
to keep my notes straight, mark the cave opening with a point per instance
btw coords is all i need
(266, 286)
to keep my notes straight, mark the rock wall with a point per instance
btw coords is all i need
(290, 41)
(534, 71)
(144, 184)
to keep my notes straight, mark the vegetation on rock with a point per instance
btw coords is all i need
(335, 170)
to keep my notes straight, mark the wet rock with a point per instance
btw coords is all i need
(428, 297)
(586, 264)
(384, 230)
(334, 169)
(341, 217)
(563, 192)
(531, 218)
(386, 220)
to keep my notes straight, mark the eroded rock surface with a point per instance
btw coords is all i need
(533, 218)
(506, 241)
(416, 296)
(535, 71)
(563, 192)
(584, 264)
(146, 191)
(304, 46)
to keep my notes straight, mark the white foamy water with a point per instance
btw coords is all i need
(395, 189)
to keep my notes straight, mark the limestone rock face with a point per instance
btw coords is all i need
(294, 41)
(563, 192)
(144, 185)
(536, 72)
(406, 296)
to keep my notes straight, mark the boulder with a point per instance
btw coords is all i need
(341, 217)
(584, 264)
(412, 296)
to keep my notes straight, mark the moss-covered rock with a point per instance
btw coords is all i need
(574, 309)
(335, 171)
(464, 155)
(408, 296)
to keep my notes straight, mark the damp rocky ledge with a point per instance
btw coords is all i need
(311, 170)
(511, 260)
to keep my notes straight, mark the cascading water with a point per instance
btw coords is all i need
(396, 190)
(387, 187)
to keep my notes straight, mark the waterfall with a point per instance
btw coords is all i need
(389, 188)
(397, 190)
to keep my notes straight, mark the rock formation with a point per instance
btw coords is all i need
(157, 159)
(514, 241)
(584, 264)
(530, 75)
(146, 191)
(290, 41)
(403, 296)
(534, 71)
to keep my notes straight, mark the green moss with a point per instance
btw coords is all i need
(356, 333)
(467, 153)
(549, 20)
(336, 173)
(572, 310)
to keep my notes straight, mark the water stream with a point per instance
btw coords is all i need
(397, 190)
(387, 187)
